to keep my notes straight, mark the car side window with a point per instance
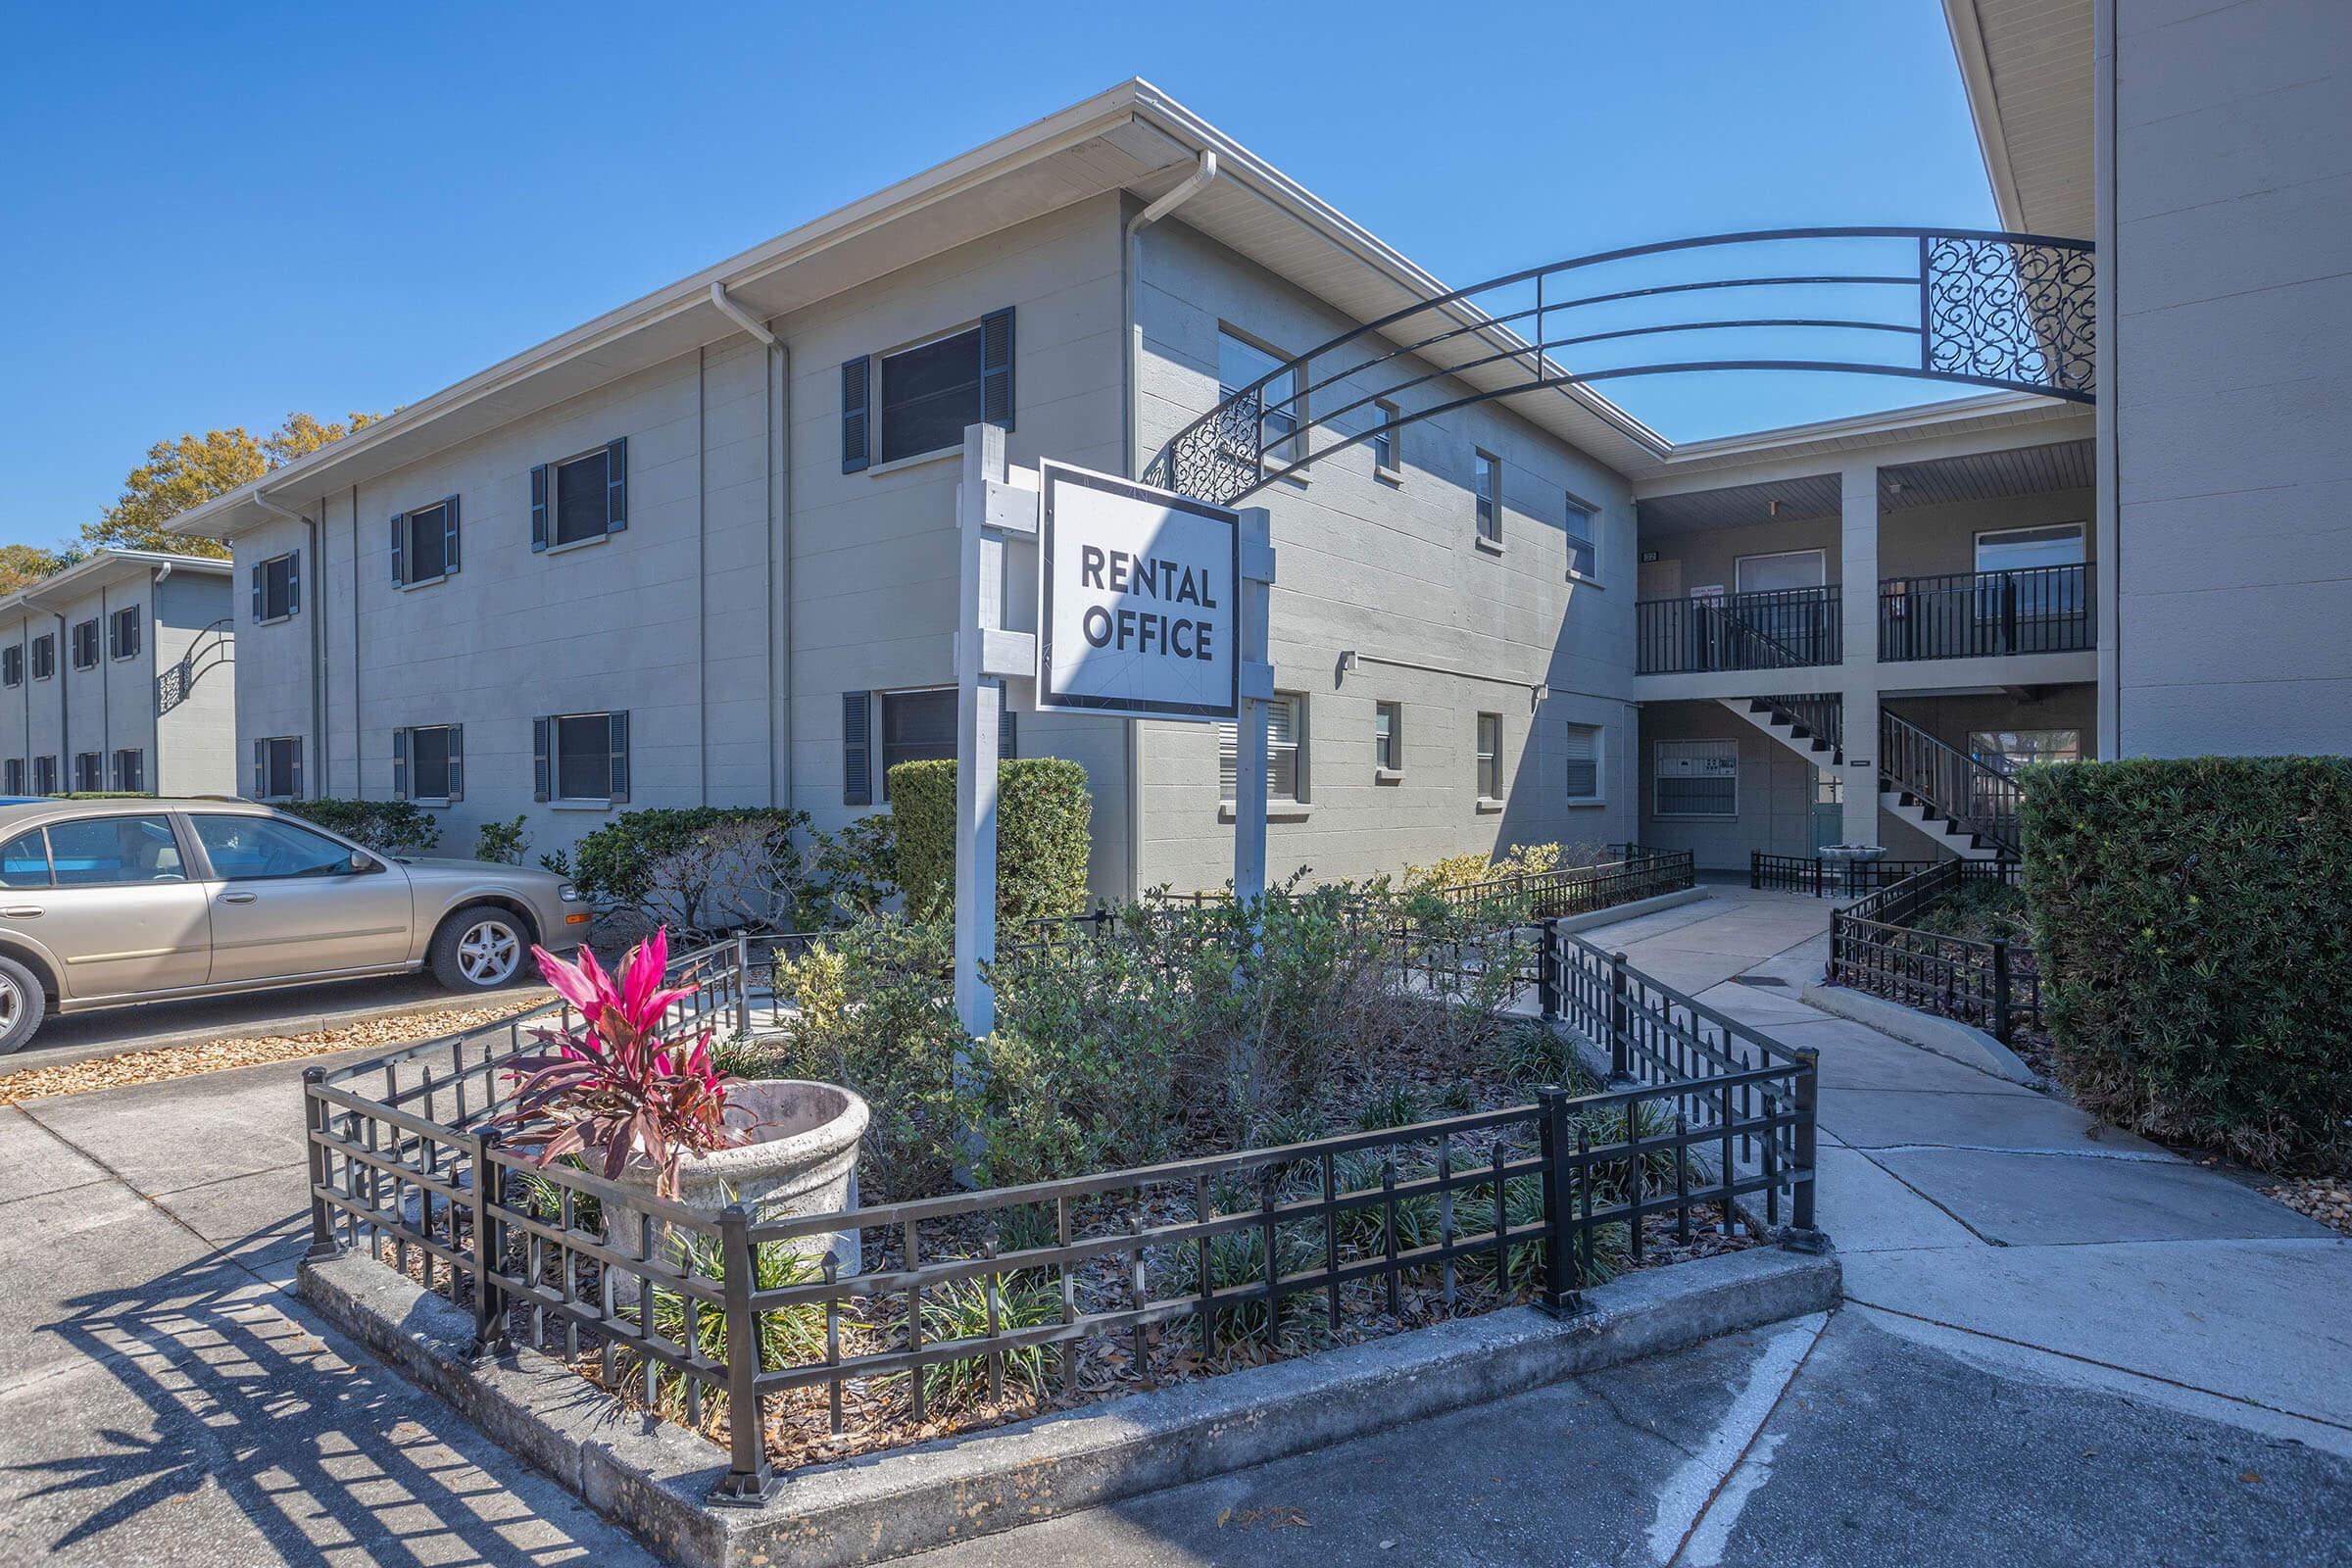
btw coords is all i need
(253, 849)
(25, 862)
(110, 851)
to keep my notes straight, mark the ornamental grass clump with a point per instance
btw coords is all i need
(618, 1084)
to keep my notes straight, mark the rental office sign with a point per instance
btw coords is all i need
(1139, 600)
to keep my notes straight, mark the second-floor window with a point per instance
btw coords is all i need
(85, 644)
(580, 498)
(122, 630)
(918, 400)
(1583, 560)
(12, 664)
(276, 585)
(1486, 484)
(424, 543)
(1383, 438)
(428, 763)
(1242, 362)
(44, 656)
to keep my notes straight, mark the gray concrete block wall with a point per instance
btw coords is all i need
(2232, 199)
(1775, 797)
(195, 750)
(1392, 572)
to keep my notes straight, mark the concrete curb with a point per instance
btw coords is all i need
(655, 1478)
(1948, 1038)
(1629, 912)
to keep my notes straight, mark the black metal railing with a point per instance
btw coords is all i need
(1706, 1122)
(1821, 877)
(1532, 897)
(1993, 984)
(1974, 306)
(2037, 610)
(1980, 797)
(1810, 716)
(1785, 628)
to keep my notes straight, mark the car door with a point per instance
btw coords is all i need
(111, 897)
(287, 903)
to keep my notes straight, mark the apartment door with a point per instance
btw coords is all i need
(286, 902)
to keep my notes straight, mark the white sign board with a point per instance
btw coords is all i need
(1138, 599)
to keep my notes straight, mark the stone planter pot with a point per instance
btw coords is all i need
(802, 1159)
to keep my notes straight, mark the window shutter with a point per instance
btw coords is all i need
(616, 485)
(540, 739)
(996, 368)
(294, 595)
(449, 537)
(1009, 744)
(854, 410)
(400, 764)
(619, 783)
(457, 761)
(258, 601)
(260, 769)
(539, 513)
(857, 749)
(295, 784)
(400, 528)
(114, 637)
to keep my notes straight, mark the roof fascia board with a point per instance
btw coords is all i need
(1886, 443)
(103, 567)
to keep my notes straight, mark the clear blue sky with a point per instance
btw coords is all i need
(212, 216)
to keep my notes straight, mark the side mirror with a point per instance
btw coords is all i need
(363, 861)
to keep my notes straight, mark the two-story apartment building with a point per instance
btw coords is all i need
(116, 673)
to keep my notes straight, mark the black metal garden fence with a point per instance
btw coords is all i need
(1993, 984)
(1796, 873)
(1704, 1122)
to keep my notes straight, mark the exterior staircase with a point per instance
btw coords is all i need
(1954, 800)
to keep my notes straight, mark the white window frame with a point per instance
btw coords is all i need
(1580, 510)
(1600, 762)
(283, 562)
(46, 643)
(95, 627)
(554, 757)
(1388, 461)
(1229, 745)
(12, 665)
(1821, 579)
(408, 535)
(1394, 712)
(1485, 505)
(449, 758)
(556, 541)
(120, 617)
(1486, 759)
(1289, 447)
(1657, 779)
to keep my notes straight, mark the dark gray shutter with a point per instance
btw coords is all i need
(1008, 743)
(616, 485)
(260, 769)
(857, 749)
(457, 761)
(539, 513)
(619, 783)
(294, 589)
(542, 738)
(449, 537)
(400, 529)
(853, 412)
(400, 764)
(259, 600)
(295, 784)
(996, 368)
(113, 636)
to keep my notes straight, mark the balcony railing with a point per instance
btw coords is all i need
(1967, 615)
(1783, 629)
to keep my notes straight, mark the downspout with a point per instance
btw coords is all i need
(150, 642)
(779, 528)
(1131, 261)
(317, 576)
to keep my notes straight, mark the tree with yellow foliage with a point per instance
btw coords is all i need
(188, 472)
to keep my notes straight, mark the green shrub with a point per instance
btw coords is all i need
(2192, 919)
(1043, 812)
(702, 870)
(388, 827)
(502, 843)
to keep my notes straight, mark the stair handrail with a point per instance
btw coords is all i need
(1950, 781)
(1723, 610)
(1819, 715)
(207, 651)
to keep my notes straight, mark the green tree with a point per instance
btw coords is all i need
(21, 565)
(195, 468)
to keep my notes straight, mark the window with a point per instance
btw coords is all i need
(428, 764)
(579, 499)
(263, 848)
(932, 391)
(1387, 736)
(1486, 486)
(84, 646)
(131, 769)
(2018, 549)
(44, 775)
(1286, 749)
(1582, 750)
(122, 632)
(1240, 363)
(278, 768)
(277, 588)
(44, 656)
(916, 726)
(12, 664)
(1384, 437)
(1784, 570)
(89, 772)
(12, 776)
(2019, 746)
(424, 543)
(1696, 779)
(1583, 560)
(103, 851)
(581, 757)
(24, 859)
(1490, 756)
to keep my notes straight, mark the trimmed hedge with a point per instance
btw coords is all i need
(1042, 817)
(388, 827)
(2193, 919)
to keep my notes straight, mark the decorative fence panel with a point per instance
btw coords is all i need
(1994, 985)
(1794, 873)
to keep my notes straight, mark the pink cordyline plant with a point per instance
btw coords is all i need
(617, 1083)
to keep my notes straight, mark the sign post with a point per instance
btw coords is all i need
(1150, 605)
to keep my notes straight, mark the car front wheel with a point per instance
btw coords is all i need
(480, 947)
(22, 1005)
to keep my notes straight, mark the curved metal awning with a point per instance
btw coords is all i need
(1972, 307)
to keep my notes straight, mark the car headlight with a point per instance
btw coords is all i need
(568, 893)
